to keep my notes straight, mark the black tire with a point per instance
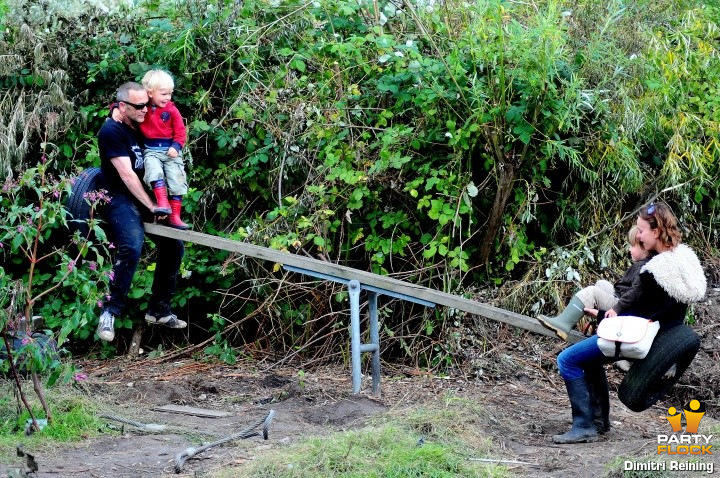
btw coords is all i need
(77, 207)
(644, 384)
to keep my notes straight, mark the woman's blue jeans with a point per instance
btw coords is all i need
(126, 230)
(581, 358)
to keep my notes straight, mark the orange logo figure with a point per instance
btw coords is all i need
(675, 418)
(685, 442)
(693, 416)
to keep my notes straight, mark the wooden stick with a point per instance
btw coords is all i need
(505, 462)
(364, 277)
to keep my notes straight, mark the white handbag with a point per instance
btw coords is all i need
(626, 336)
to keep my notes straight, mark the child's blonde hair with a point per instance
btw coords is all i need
(632, 236)
(157, 79)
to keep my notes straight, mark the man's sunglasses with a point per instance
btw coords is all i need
(137, 106)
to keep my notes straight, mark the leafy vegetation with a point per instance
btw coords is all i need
(71, 272)
(452, 144)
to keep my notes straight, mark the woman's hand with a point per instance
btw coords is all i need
(611, 313)
(591, 312)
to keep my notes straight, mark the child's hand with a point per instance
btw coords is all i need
(116, 115)
(591, 312)
(172, 152)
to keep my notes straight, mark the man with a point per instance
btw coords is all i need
(122, 167)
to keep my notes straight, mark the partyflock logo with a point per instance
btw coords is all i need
(689, 442)
(682, 450)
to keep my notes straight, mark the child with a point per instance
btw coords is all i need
(164, 132)
(603, 295)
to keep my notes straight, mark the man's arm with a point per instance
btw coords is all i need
(128, 176)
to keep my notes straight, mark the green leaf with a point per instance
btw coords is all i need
(384, 86)
(17, 240)
(53, 377)
(698, 195)
(524, 132)
(299, 65)
(430, 252)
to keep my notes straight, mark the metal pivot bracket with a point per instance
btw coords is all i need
(357, 348)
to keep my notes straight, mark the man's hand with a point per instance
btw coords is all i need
(172, 152)
(131, 180)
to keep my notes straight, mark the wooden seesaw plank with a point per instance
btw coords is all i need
(364, 277)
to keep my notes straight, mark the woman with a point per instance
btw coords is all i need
(670, 281)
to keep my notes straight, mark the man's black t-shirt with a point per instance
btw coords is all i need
(116, 140)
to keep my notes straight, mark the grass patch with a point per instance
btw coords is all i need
(74, 419)
(427, 442)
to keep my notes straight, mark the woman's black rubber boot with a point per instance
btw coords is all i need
(583, 427)
(600, 397)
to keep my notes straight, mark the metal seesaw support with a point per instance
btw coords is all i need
(357, 348)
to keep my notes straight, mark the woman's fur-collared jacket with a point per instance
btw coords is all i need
(669, 282)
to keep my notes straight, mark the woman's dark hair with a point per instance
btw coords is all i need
(660, 216)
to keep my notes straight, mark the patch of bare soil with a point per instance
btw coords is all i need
(513, 377)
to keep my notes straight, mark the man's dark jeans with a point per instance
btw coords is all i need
(126, 228)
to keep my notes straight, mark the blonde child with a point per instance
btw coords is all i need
(603, 296)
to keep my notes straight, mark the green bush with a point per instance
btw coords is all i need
(448, 144)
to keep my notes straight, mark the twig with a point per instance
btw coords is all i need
(149, 427)
(11, 360)
(505, 462)
(155, 427)
(37, 386)
(66, 472)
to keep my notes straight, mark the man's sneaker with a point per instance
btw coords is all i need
(168, 320)
(106, 326)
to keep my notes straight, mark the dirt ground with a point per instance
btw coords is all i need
(516, 384)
